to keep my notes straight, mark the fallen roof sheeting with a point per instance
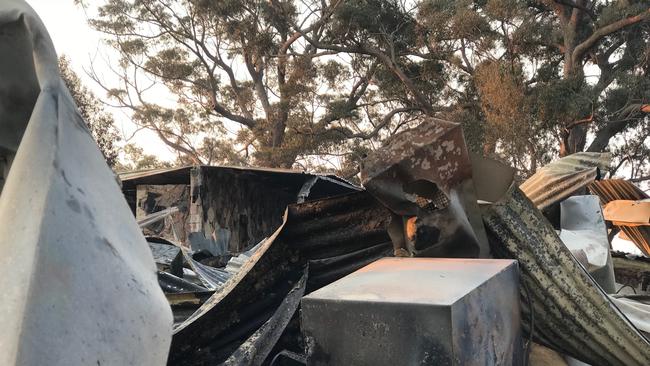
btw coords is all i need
(628, 212)
(80, 285)
(181, 175)
(617, 189)
(584, 232)
(332, 237)
(563, 177)
(571, 313)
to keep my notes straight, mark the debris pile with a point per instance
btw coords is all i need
(568, 289)
(248, 266)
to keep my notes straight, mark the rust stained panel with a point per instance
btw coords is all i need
(619, 189)
(434, 151)
(561, 178)
(427, 172)
(572, 314)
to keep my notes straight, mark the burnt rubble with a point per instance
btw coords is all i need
(440, 258)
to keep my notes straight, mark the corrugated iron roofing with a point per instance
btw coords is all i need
(561, 178)
(179, 175)
(571, 313)
(328, 238)
(618, 189)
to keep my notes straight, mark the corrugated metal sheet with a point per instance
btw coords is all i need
(561, 178)
(571, 313)
(180, 175)
(331, 237)
(618, 189)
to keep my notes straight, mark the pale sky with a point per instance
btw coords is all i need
(73, 37)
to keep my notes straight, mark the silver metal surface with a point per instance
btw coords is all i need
(80, 285)
(417, 311)
(584, 230)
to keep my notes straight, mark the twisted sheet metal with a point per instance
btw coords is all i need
(79, 284)
(331, 237)
(619, 189)
(425, 167)
(572, 314)
(561, 178)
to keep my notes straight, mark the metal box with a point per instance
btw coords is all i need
(417, 311)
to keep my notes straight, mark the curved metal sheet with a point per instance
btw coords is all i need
(571, 313)
(427, 172)
(334, 237)
(80, 285)
(260, 344)
(561, 178)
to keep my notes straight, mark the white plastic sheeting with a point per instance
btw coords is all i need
(79, 283)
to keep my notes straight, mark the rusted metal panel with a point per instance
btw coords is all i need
(628, 212)
(427, 172)
(571, 313)
(417, 311)
(333, 237)
(563, 177)
(617, 189)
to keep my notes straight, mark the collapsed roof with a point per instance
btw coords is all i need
(69, 233)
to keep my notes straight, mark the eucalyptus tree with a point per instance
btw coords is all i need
(245, 85)
(529, 80)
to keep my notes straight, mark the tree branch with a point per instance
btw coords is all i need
(600, 33)
(384, 122)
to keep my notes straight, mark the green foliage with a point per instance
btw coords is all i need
(371, 20)
(289, 83)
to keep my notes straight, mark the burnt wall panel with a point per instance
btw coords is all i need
(239, 210)
(154, 198)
